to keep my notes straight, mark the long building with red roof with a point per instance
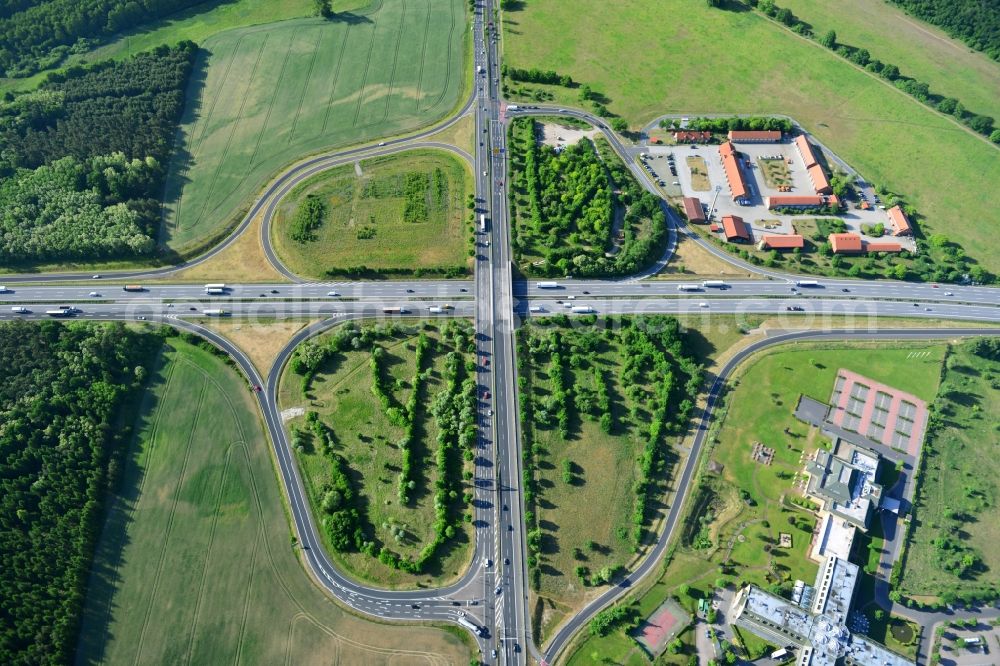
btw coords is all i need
(819, 179)
(731, 166)
(802, 201)
(805, 150)
(781, 242)
(689, 136)
(845, 243)
(755, 136)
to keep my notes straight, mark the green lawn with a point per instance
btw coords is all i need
(365, 224)
(268, 95)
(957, 495)
(919, 49)
(195, 564)
(717, 61)
(341, 393)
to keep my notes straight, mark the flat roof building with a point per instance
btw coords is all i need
(846, 487)
(818, 632)
(780, 242)
(845, 243)
(731, 166)
(735, 229)
(900, 223)
(819, 180)
(755, 136)
(805, 150)
(693, 209)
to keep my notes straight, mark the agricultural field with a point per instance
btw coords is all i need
(403, 214)
(723, 537)
(199, 493)
(388, 412)
(956, 503)
(270, 95)
(919, 49)
(694, 66)
(577, 210)
(601, 405)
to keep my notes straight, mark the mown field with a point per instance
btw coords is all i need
(404, 213)
(695, 66)
(919, 49)
(395, 499)
(957, 498)
(720, 524)
(269, 95)
(597, 403)
(195, 563)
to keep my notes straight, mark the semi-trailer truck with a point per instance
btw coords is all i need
(133, 287)
(470, 625)
(215, 291)
(216, 313)
(20, 309)
(482, 223)
(59, 313)
(582, 309)
(717, 284)
(806, 283)
(547, 285)
(394, 311)
(688, 287)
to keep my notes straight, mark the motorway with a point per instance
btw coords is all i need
(491, 593)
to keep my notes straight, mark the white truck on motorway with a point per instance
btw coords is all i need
(435, 309)
(482, 223)
(717, 284)
(20, 309)
(688, 287)
(536, 308)
(470, 625)
(547, 285)
(3, 289)
(513, 107)
(582, 309)
(215, 289)
(215, 313)
(806, 283)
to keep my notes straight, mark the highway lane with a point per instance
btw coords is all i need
(443, 290)
(649, 564)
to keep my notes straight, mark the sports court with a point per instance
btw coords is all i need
(877, 411)
(661, 627)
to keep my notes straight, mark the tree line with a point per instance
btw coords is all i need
(38, 34)
(62, 389)
(82, 158)
(975, 22)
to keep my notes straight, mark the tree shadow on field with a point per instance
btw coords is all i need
(350, 18)
(181, 158)
(100, 606)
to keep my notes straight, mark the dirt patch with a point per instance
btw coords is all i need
(692, 259)
(699, 174)
(260, 341)
(291, 413)
(555, 135)
(243, 261)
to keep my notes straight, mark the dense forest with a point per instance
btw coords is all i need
(565, 204)
(976, 22)
(82, 158)
(37, 34)
(61, 388)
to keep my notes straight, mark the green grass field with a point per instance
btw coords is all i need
(341, 393)
(365, 225)
(195, 564)
(268, 95)
(959, 488)
(196, 24)
(919, 49)
(717, 61)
